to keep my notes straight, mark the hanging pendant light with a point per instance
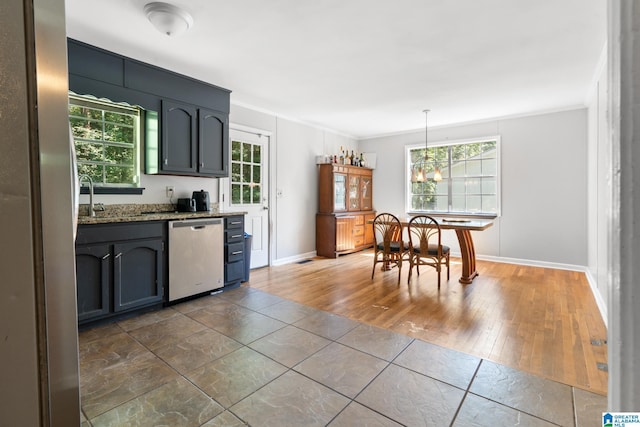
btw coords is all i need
(419, 174)
(437, 175)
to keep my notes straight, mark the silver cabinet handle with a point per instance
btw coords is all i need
(235, 222)
(106, 256)
(236, 236)
(119, 255)
(236, 253)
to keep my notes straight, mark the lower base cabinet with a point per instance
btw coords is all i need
(234, 255)
(338, 234)
(119, 268)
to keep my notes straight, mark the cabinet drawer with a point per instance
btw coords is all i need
(358, 230)
(359, 219)
(358, 241)
(235, 252)
(233, 222)
(234, 235)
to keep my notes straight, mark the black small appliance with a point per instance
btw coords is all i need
(202, 200)
(186, 205)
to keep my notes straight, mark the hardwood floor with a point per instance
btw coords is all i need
(534, 319)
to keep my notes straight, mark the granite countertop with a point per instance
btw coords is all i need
(143, 212)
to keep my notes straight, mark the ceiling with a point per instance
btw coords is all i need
(365, 68)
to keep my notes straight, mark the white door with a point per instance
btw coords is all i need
(247, 189)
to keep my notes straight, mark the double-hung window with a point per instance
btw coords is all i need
(107, 141)
(470, 183)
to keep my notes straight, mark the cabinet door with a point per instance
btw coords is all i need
(354, 193)
(344, 234)
(366, 193)
(93, 275)
(339, 192)
(137, 273)
(213, 143)
(368, 228)
(179, 138)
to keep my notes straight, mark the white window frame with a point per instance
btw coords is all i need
(108, 105)
(407, 180)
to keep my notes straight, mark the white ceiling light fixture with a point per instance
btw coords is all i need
(167, 18)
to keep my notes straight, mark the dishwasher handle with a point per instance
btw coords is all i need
(195, 224)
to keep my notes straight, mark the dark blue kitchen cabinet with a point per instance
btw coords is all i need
(213, 143)
(120, 268)
(233, 250)
(137, 274)
(193, 115)
(179, 148)
(195, 142)
(93, 275)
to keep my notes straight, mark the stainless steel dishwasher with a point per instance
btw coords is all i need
(196, 257)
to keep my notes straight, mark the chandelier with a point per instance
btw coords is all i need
(419, 173)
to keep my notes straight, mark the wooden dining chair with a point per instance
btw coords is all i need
(425, 245)
(389, 247)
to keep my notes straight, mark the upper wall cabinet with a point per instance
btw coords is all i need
(179, 138)
(213, 143)
(194, 142)
(191, 128)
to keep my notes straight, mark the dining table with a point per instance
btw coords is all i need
(463, 228)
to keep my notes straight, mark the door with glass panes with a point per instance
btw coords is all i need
(249, 191)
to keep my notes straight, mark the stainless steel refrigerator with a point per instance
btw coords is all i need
(38, 332)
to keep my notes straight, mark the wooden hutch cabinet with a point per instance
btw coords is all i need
(345, 204)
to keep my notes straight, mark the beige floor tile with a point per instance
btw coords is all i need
(166, 332)
(236, 375)
(177, 403)
(411, 399)
(147, 319)
(378, 342)
(477, 411)
(326, 325)
(289, 345)
(537, 396)
(342, 368)
(440, 363)
(104, 389)
(356, 415)
(291, 400)
(226, 419)
(196, 350)
(288, 311)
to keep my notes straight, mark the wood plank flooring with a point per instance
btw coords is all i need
(534, 319)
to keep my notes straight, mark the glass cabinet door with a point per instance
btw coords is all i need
(354, 192)
(339, 192)
(365, 193)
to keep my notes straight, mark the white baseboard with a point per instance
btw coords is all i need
(593, 283)
(292, 259)
(532, 263)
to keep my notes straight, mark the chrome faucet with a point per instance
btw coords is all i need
(81, 178)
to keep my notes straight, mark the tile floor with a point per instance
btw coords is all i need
(245, 357)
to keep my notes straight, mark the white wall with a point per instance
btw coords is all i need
(293, 151)
(599, 188)
(544, 188)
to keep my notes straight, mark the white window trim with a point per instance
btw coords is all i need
(407, 179)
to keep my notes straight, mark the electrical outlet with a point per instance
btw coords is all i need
(169, 191)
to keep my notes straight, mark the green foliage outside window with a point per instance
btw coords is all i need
(106, 139)
(246, 187)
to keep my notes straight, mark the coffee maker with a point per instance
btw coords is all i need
(202, 200)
